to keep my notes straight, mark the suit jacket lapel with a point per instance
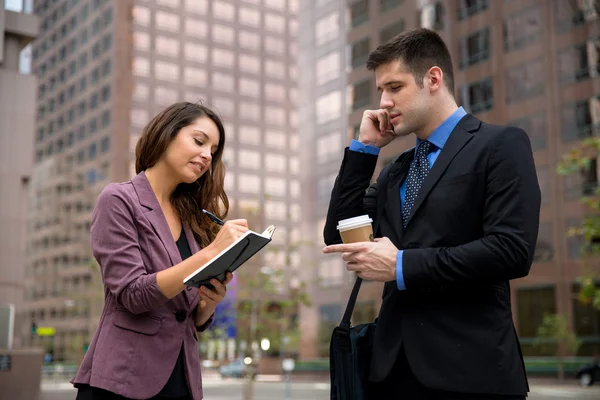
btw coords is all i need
(156, 216)
(459, 137)
(393, 206)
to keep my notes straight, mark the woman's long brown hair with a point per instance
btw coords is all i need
(188, 199)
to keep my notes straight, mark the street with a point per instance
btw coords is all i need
(216, 388)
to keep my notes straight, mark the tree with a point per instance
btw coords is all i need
(583, 160)
(554, 335)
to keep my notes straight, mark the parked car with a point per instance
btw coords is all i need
(589, 374)
(235, 369)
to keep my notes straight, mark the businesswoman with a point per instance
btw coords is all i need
(148, 234)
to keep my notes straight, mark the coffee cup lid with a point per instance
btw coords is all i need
(354, 222)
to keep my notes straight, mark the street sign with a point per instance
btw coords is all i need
(46, 331)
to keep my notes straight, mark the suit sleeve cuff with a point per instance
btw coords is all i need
(355, 145)
(399, 273)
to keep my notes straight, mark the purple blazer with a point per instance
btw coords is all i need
(140, 332)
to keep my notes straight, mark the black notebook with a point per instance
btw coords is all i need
(231, 258)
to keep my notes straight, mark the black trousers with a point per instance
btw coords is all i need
(86, 392)
(401, 384)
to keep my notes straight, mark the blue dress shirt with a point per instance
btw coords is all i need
(438, 139)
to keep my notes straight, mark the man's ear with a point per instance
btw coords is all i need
(434, 78)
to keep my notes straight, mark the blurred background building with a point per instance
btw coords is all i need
(18, 27)
(105, 69)
(289, 79)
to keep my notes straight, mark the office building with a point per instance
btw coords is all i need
(18, 27)
(105, 69)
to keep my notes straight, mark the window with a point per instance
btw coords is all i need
(250, 111)
(275, 187)
(224, 105)
(249, 87)
(223, 58)
(274, 69)
(525, 81)
(580, 120)
(328, 107)
(274, 45)
(275, 4)
(165, 96)
(249, 135)
(277, 116)
(361, 94)
(195, 76)
(167, 71)
(586, 321)
(359, 12)
(567, 15)
(249, 159)
(275, 139)
(139, 117)
(196, 6)
(536, 128)
(467, 8)
(167, 46)
(249, 17)
(167, 21)
(543, 173)
(431, 16)
(328, 147)
(141, 67)
(195, 28)
(327, 29)
(360, 52)
(390, 31)
(250, 64)
(141, 15)
(168, 3)
(573, 64)
(249, 184)
(248, 40)
(386, 5)
(223, 82)
(275, 23)
(222, 10)
(141, 92)
(275, 163)
(523, 28)
(532, 304)
(328, 68)
(275, 210)
(275, 92)
(477, 96)
(475, 48)
(223, 34)
(195, 52)
(294, 164)
(141, 41)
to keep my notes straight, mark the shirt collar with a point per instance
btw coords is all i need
(440, 135)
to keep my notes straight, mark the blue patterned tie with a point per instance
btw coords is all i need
(419, 168)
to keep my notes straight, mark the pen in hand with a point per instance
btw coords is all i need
(213, 217)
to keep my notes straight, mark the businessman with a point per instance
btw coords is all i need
(456, 219)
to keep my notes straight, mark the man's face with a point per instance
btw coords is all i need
(406, 101)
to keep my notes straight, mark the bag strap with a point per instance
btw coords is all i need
(351, 303)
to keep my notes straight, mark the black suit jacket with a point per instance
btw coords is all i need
(473, 228)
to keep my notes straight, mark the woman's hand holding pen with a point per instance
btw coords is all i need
(229, 233)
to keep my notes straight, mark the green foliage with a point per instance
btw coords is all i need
(578, 160)
(554, 331)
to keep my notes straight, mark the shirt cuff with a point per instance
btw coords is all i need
(355, 145)
(399, 274)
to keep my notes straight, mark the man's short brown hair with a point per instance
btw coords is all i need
(419, 50)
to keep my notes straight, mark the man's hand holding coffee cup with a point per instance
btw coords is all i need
(376, 128)
(372, 261)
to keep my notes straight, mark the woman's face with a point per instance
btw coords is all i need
(189, 155)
